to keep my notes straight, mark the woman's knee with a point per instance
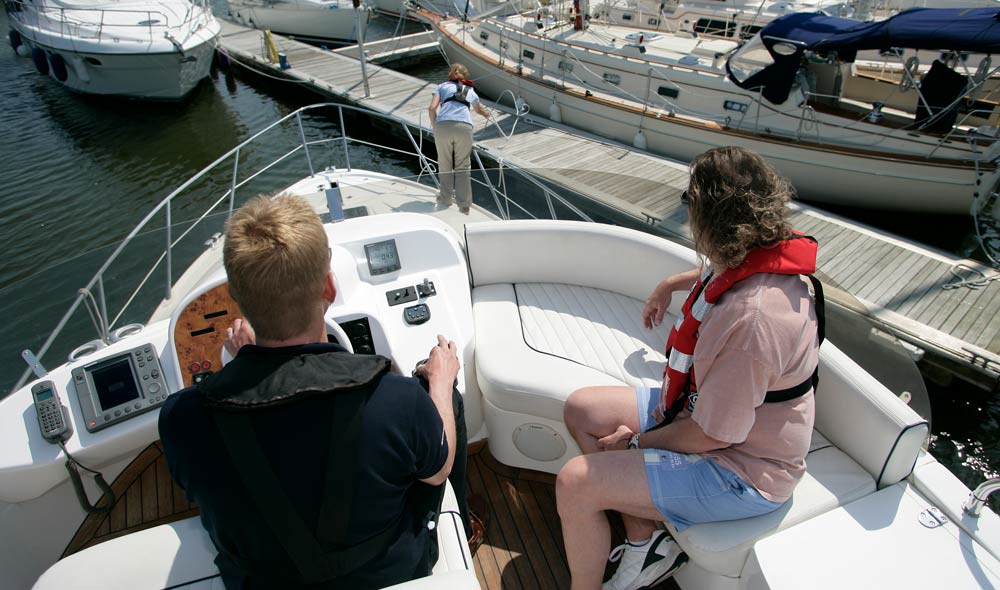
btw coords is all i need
(577, 409)
(571, 484)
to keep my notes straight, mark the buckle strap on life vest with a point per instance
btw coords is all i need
(313, 562)
(461, 92)
(783, 395)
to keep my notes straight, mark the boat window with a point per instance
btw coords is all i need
(653, 22)
(711, 26)
(749, 59)
(627, 16)
(92, 61)
(504, 45)
(612, 78)
(668, 91)
(528, 54)
(565, 66)
(484, 35)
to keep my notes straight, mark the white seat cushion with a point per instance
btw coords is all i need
(595, 328)
(518, 377)
(832, 479)
(181, 553)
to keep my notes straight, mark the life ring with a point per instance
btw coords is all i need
(15, 39)
(41, 62)
(58, 67)
(909, 73)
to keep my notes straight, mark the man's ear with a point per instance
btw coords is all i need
(329, 289)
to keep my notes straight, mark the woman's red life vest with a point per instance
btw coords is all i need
(794, 256)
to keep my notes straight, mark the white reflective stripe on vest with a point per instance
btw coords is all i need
(680, 362)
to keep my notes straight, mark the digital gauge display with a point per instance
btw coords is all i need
(382, 257)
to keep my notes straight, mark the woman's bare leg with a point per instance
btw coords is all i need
(586, 487)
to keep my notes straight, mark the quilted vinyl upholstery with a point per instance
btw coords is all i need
(595, 328)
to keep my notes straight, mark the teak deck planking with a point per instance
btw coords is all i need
(900, 281)
(523, 548)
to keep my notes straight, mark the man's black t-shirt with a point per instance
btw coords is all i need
(402, 441)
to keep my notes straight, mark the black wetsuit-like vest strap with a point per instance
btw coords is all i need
(313, 562)
(458, 96)
(783, 395)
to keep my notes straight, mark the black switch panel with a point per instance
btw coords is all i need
(404, 295)
(417, 314)
(360, 333)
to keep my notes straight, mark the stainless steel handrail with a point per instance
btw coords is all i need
(228, 197)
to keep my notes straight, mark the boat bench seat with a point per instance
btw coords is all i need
(539, 341)
(181, 554)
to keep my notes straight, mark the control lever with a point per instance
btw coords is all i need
(426, 288)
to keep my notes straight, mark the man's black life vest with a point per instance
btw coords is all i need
(248, 385)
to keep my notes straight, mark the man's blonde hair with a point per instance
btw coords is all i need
(458, 72)
(277, 257)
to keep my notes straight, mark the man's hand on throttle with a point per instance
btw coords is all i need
(239, 334)
(442, 366)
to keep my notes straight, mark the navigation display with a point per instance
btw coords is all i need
(115, 383)
(382, 257)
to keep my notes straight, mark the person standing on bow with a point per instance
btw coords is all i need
(451, 118)
(726, 436)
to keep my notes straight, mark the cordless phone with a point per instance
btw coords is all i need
(51, 418)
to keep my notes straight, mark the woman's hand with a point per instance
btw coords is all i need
(657, 304)
(616, 441)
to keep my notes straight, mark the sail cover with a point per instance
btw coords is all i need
(975, 30)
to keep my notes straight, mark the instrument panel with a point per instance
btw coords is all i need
(200, 332)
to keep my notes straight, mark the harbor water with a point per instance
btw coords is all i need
(79, 173)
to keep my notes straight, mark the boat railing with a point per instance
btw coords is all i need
(91, 22)
(93, 296)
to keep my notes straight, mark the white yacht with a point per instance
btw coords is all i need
(537, 308)
(791, 93)
(312, 20)
(150, 49)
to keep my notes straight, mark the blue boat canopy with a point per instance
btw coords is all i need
(976, 30)
(770, 60)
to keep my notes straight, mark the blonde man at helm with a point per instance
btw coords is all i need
(451, 118)
(313, 467)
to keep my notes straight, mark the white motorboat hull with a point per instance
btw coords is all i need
(159, 76)
(820, 172)
(299, 19)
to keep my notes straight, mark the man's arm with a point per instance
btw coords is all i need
(440, 371)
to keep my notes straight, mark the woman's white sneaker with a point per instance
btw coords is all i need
(645, 565)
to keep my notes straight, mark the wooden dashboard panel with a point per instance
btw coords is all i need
(200, 331)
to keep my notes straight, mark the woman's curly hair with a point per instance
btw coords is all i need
(737, 202)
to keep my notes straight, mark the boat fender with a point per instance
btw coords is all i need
(58, 67)
(554, 113)
(639, 141)
(41, 62)
(15, 39)
(23, 51)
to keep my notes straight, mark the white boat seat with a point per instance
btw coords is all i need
(832, 479)
(181, 553)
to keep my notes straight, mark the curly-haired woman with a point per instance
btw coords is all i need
(730, 443)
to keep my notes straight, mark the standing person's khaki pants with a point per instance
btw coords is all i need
(454, 147)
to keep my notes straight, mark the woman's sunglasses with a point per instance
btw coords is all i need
(684, 199)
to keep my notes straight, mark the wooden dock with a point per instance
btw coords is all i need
(900, 281)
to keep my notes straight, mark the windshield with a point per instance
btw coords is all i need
(749, 59)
